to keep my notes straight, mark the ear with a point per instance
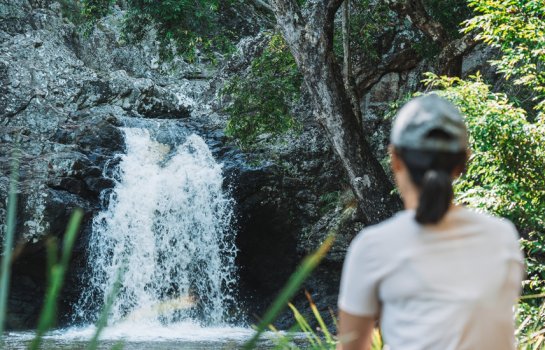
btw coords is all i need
(458, 171)
(395, 160)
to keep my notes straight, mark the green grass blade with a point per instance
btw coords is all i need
(325, 330)
(291, 287)
(532, 296)
(118, 346)
(5, 271)
(313, 339)
(103, 318)
(283, 342)
(51, 256)
(334, 319)
(70, 237)
(57, 274)
(376, 343)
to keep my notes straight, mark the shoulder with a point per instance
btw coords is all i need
(500, 232)
(376, 239)
(499, 226)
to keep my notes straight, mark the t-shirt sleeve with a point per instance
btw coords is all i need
(358, 293)
(515, 251)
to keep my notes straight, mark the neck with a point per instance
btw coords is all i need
(410, 200)
(409, 193)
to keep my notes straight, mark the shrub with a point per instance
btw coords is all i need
(517, 29)
(262, 100)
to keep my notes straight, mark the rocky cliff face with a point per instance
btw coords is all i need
(63, 99)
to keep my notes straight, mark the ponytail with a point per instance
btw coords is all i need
(435, 196)
(431, 172)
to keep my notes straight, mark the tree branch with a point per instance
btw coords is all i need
(311, 42)
(332, 7)
(449, 60)
(263, 5)
(403, 60)
(416, 12)
(349, 82)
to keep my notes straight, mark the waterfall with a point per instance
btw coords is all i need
(167, 227)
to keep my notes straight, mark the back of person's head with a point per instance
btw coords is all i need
(430, 137)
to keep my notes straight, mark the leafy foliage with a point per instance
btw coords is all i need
(72, 10)
(191, 25)
(505, 173)
(328, 201)
(94, 9)
(517, 28)
(449, 13)
(369, 21)
(515, 149)
(185, 27)
(262, 100)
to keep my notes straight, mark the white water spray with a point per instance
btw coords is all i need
(168, 226)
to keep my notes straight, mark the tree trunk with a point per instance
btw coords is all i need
(348, 74)
(310, 39)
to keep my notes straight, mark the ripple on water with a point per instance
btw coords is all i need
(139, 336)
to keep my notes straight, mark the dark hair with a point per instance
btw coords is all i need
(432, 171)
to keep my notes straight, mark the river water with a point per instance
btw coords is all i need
(139, 337)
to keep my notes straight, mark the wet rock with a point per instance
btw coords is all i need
(154, 101)
(24, 294)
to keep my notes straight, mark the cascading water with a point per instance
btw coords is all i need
(168, 229)
(166, 239)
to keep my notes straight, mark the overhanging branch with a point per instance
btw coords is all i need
(453, 52)
(416, 12)
(333, 6)
(262, 4)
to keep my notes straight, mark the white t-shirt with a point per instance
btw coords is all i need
(447, 286)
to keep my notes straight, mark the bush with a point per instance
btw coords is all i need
(262, 100)
(517, 29)
(185, 27)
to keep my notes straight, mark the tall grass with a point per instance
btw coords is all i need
(291, 287)
(56, 269)
(102, 321)
(531, 330)
(321, 338)
(56, 272)
(5, 272)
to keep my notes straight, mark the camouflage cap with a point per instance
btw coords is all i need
(420, 119)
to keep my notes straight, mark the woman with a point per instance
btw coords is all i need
(436, 275)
